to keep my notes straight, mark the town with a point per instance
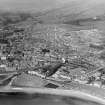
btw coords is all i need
(52, 53)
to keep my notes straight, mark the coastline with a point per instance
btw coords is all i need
(58, 92)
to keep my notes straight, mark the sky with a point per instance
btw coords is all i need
(27, 4)
(38, 5)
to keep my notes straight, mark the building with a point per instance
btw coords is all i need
(97, 84)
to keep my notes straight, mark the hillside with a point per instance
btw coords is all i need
(75, 12)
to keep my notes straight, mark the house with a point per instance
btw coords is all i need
(82, 79)
(97, 84)
(97, 75)
(2, 46)
(103, 77)
(103, 86)
(3, 58)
